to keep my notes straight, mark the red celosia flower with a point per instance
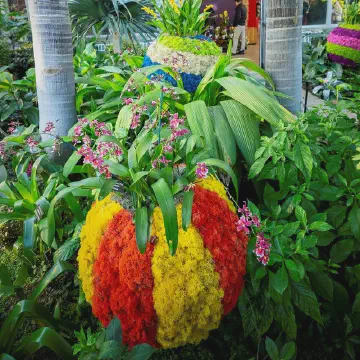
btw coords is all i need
(217, 225)
(123, 283)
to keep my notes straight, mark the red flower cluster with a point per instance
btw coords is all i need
(216, 223)
(123, 283)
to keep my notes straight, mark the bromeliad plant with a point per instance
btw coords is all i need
(184, 19)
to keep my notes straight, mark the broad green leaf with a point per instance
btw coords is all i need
(322, 284)
(288, 351)
(301, 215)
(257, 167)
(272, 349)
(70, 164)
(5, 276)
(305, 299)
(143, 146)
(354, 220)
(110, 349)
(3, 173)
(30, 231)
(281, 280)
(67, 250)
(141, 226)
(245, 126)
(118, 169)
(89, 183)
(187, 209)
(336, 215)
(320, 226)
(137, 177)
(341, 250)
(200, 123)
(34, 181)
(256, 100)
(140, 352)
(224, 134)
(44, 337)
(166, 201)
(52, 274)
(356, 305)
(303, 159)
(114, 331)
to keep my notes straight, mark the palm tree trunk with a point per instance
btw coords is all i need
(53, 53)
(283, 54)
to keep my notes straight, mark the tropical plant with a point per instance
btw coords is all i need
(48, 334)
(107, 344)
(310, 214)
(185, 19)
(123, 18)
(18, 98)
(330, 87)
(352, 13)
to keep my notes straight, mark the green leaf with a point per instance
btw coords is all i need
(5, 276)
(140, 352)
(257, 167)
(118, 169)
(143, 146)
(286, 316)
(222, 165)
(330, 193)
(166, 201)
(200, 123)
(322, 284)
(114, 331)
(305, 299)
(320, 226)
(141, 226)
(341, 250)
(354, 219)
(256, 100)
(30, 230)
(67, 250)
(303, 159)
(110, 349)
(187, 209)
(356, 305)
(281, 280)
(248, 321)
(272, 349)
(52, 274)
(245, 127)
(301, 215)
(224, 134)
(44, 337)
(336, 215)
(124, 119)
(3, 173)
(70, 164)
(288, 351)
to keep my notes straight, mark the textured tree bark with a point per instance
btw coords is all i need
(53, 53)
(283, 54)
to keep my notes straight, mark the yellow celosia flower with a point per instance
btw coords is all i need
(187, 295)
(174, 6)
(212, 184)
(96, 223)
(226, 14)
(208, 7)
(149, 11)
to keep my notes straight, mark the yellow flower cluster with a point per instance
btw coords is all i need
(96, 223)
(212, 184)
(187, 295)
(208, 7)
(174, 6)
(149, 11)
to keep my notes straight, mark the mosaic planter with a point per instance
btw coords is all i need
(343, 45)
(191, 56)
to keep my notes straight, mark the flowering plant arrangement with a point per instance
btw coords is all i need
(185, 19)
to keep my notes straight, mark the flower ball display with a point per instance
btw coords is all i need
(192, 57)
(343, 45)
(163, 300)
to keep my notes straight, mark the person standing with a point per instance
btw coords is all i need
(240, 27)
